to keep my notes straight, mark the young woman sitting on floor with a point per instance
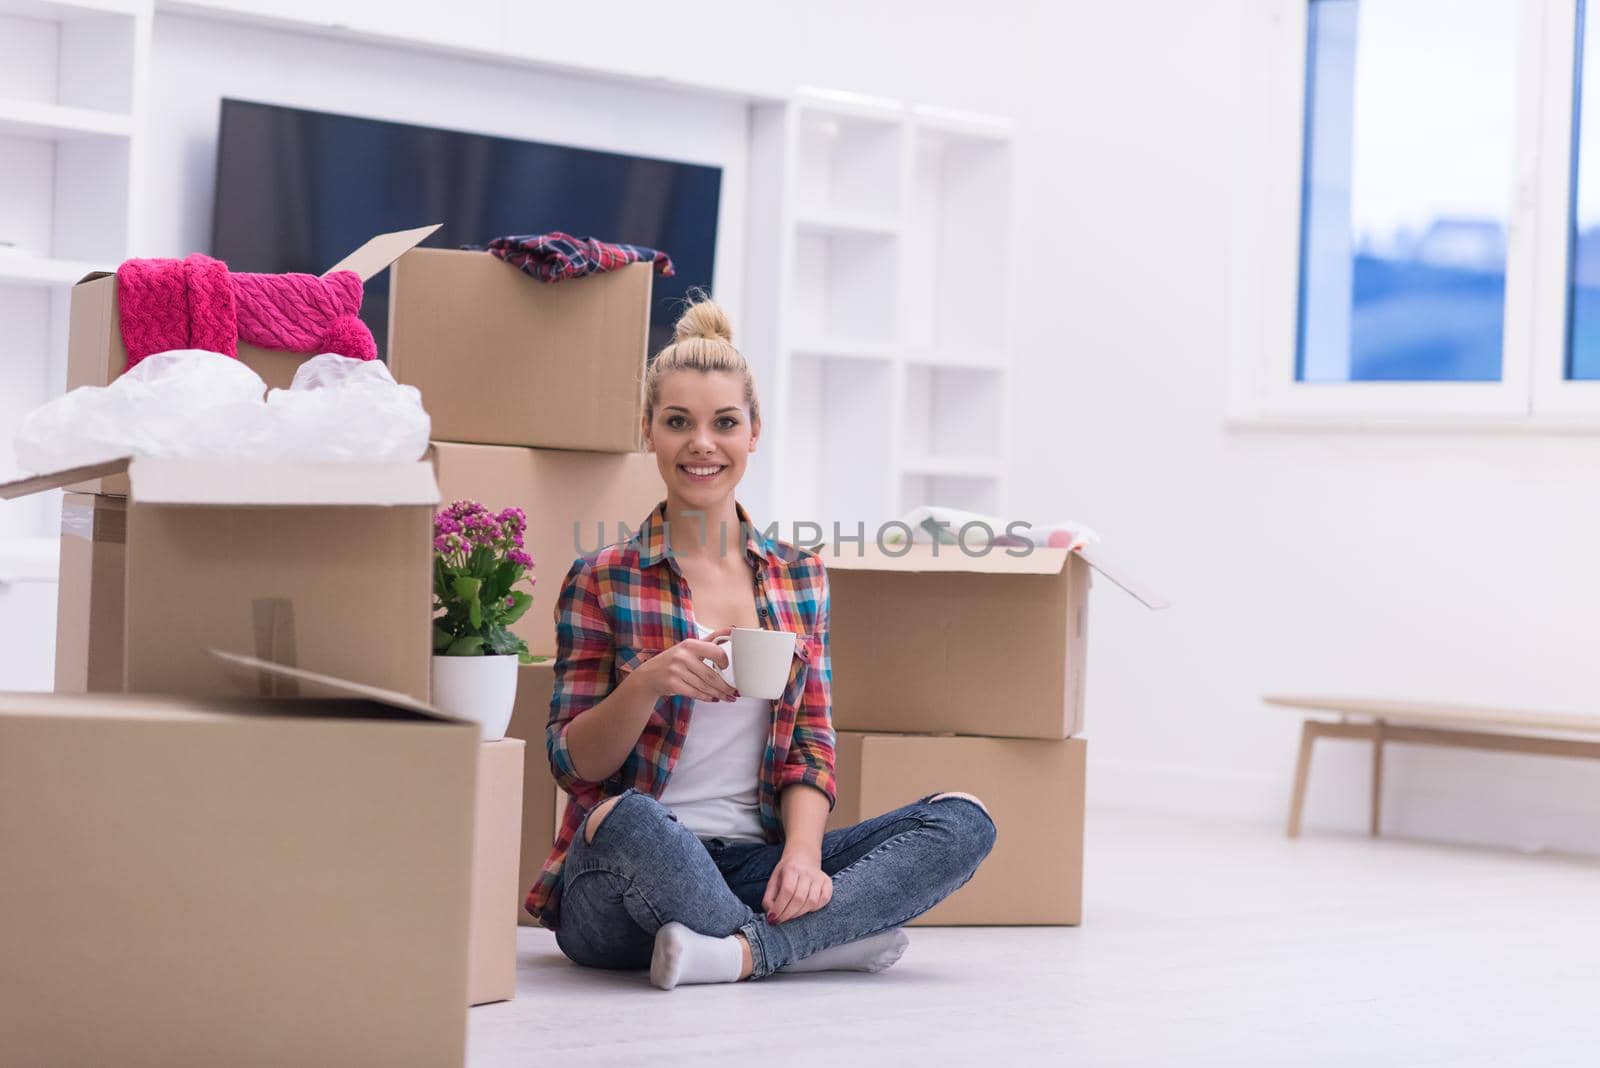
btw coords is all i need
(694, 844)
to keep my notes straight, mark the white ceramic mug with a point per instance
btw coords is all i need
(758, 661)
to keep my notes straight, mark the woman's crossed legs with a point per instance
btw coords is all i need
(637, 869)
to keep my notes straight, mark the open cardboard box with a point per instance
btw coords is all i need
(322, 566)
(96, 355)
(502, 358)
(569, 496)
(227, 880)
(1034, 791)
(929, 639)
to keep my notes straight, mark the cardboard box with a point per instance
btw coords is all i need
(96, 355)
(504, 359)
(91, 600)
(496, 853)
(1034, 790)
(322, 566)
(933, 640)
(571, 498)
(535, 682)
(243, 881)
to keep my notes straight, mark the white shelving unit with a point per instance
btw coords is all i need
(882, 238)
(72, 84)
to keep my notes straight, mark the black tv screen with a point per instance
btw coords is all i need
(298, 190)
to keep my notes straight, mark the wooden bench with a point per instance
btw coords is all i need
(1423, 723)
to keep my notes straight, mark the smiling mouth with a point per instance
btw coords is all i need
(702, 472)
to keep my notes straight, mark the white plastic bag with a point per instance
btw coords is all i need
(161, 407)
(947, 524)
(198, 404)
(345, 411)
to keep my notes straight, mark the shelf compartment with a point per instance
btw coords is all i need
(954, 414)
(35, 344)
(844, 286)
(835, 464)
(62, 201)
(847, 162)
(958, 242)
(66, 70)
(970, 494)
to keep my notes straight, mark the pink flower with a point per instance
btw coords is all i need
(511, 602)
(517, 556)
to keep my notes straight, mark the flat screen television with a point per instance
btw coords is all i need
(297, 190)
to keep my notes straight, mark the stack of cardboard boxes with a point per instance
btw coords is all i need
(467, 330)
(287, 851)
(958, 670)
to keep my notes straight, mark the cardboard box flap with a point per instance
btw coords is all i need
(93, 276)
(226, 482)
(997, 561)
(919, 557)
(22, 487)
(331, 686)
(375, 256)
(1096, 558)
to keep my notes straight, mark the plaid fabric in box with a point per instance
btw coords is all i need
(556, 256)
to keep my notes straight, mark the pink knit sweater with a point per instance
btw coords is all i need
(195, 303)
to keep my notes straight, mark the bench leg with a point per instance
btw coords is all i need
(1302, 771)
(1377, 775)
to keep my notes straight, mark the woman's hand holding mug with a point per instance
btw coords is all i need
(681, 670)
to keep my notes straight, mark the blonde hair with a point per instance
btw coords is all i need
(702, 341)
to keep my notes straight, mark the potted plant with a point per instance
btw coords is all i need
(478, 560)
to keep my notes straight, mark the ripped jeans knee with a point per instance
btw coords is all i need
(961, 796)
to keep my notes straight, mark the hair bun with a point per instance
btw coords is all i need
(703, 318)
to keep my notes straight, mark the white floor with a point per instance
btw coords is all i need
(1202, 943)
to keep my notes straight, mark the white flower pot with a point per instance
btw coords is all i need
(480, 688)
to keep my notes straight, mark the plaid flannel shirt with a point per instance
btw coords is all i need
(555, 257)
(629, 601)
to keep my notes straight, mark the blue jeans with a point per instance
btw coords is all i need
(645, 869)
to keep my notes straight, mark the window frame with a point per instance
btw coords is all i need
(1269, 161)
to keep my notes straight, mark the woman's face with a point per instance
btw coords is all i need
(702, 436)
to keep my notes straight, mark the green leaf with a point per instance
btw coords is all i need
(521, 602)
(471, 645)
(503, 643)
(538, 660)
(441, 638)
(467, 589)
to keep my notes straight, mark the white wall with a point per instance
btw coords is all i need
(1427, 565)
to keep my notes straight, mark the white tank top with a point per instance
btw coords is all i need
(714, 784)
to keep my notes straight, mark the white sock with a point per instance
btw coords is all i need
(871, 954)
(682, 956)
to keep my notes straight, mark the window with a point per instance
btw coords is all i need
(1583, 298)
(1409, 144)
(1418, 213)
